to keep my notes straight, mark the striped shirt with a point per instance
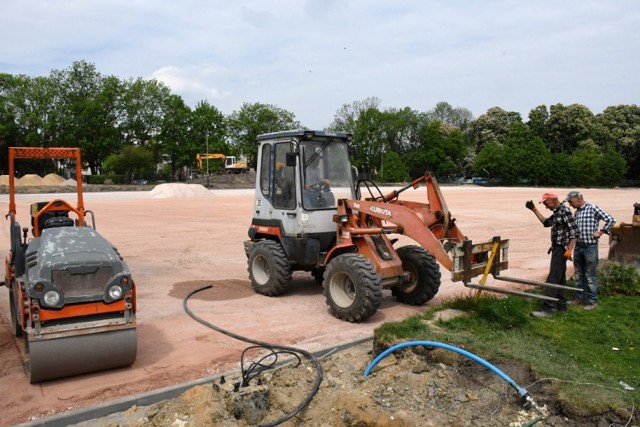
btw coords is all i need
(563, 226)
(588, 218)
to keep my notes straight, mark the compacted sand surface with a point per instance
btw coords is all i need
(174, 244)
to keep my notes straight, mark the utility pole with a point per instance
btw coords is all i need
(206, 138)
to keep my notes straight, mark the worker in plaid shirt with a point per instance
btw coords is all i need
(564, 235)
(585, 257)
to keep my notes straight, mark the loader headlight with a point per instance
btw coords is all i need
(52, 298)
(115, 292)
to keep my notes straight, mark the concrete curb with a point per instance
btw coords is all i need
(154, 396)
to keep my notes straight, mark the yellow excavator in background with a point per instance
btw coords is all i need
(230, 164)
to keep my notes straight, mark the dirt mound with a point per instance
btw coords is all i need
(173, 190)
(407, 388)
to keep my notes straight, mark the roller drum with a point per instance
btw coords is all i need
(66, 356)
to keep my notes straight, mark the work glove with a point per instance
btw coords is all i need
(530, 205)
(568, 253)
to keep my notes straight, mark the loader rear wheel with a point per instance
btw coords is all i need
(352, 288)
(269, 269)
(424, 276)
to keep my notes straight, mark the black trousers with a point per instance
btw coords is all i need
(557, 275)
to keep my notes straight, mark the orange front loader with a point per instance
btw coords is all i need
(349, 241)
(71, 295)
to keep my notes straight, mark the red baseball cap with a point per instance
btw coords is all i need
(547, 196)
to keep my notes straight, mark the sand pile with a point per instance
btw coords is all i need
(34, 180)
(52, 179)
(69, 181)
(167, 191)
(29, 179)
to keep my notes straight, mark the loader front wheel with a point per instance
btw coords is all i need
(269, 269)
(352, 288)
(423, 276)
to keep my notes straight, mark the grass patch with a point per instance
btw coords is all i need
(589, 352)
(615, 278)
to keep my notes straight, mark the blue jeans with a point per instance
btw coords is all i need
(585, 261)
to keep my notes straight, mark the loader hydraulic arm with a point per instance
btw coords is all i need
(429, 224)
(418, 222)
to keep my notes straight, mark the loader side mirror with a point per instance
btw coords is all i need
(291, 159)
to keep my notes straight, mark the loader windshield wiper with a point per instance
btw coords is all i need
(317, 153)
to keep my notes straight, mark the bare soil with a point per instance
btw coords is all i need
(176, 245)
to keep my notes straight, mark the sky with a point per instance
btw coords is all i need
(311, 57)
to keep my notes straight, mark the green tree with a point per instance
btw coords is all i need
(447, 114)
(344, 120)
(537, 123)
(441, 151)
(492, 126)
(491, 161)
(364, 121)
(208, 132)
(618, 127)
(560, 173)
(86, 111)
(143, 104)
(254, 119)
(584, 165)
(10, 133)
(536, 162)
(400, 128)
(526, 156)
(134, 162)
(174, 135)
(394, 169)
(613, 167)
(567, 126)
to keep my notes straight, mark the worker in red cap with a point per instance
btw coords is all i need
(564, 235)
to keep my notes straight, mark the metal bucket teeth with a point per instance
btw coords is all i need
(63, 357)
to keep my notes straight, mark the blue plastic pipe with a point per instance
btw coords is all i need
(522, 392)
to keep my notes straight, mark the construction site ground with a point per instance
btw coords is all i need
(174, 244)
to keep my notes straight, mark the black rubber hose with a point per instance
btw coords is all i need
(308, 355)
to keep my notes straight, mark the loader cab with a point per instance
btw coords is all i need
(300, 176)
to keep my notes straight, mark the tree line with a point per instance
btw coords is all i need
(138, 128)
